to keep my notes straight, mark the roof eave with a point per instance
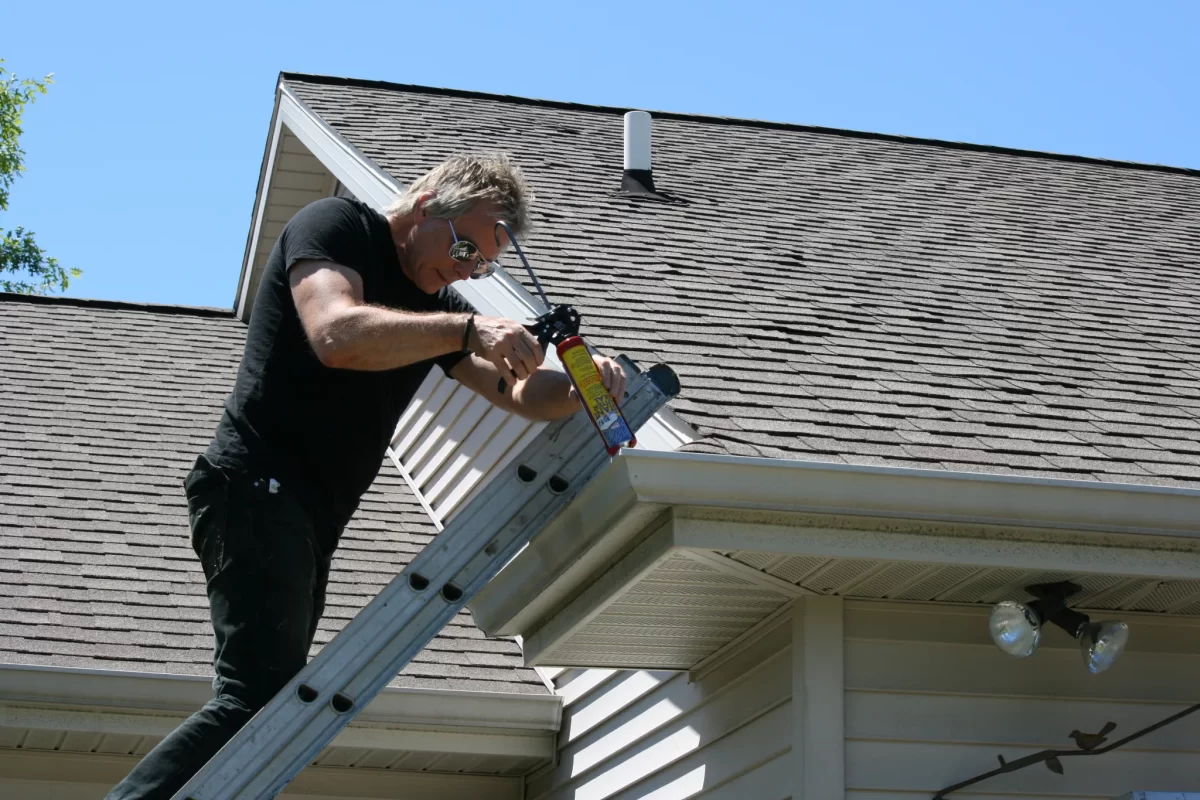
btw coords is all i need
(145, 694)
(627, 503)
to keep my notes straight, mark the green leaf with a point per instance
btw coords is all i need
(34, 272)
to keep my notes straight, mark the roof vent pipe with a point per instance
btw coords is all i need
(638, 177)
(637, 140)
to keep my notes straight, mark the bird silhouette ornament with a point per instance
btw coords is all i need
(1090, 741)
(1089, 744)
(1085, 741)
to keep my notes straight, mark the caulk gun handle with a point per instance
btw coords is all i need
(543, 340)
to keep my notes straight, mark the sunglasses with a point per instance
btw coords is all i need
(466, 251)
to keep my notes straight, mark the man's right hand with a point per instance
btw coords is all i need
(508, 345)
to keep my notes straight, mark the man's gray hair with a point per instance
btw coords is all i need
(460, 182)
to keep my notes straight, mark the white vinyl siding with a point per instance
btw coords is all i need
(928, 701)
(296, 179)
(450, 442)
(931, 702)
(637, 735)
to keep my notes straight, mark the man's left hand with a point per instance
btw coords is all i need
(612, 375)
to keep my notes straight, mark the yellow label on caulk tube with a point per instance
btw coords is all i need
(597, 400)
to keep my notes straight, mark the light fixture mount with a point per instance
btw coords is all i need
(1057, 590)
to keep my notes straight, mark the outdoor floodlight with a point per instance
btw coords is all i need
(1101, 643)
(1016, 628)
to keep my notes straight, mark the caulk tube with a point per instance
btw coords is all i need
(597, 401)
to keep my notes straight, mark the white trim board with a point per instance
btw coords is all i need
(818, 698)
(260, 209)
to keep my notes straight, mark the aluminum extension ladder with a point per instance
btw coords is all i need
(292, 729)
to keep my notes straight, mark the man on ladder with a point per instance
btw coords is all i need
(352, 312)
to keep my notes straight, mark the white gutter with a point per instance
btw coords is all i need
(715, 502)
(701, 479)
(487, 723)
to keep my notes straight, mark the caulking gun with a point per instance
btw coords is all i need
(559, 325)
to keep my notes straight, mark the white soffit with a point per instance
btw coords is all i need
(666, 605)
(449, 442)
(1145, 585)
(660, 607)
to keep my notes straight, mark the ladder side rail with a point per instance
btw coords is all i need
(364, 680)
(397, 624)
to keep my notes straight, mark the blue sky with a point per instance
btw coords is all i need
(143, 158)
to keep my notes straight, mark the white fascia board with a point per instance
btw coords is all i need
(771, 505)
(393, 709)
(500, 295)
(260, 210)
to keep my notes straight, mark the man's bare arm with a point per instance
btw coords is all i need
(545, 395)
(345, 333)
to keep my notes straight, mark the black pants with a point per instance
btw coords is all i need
(266, 565)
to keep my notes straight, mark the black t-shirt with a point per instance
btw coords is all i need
(322, 432)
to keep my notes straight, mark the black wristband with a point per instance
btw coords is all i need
(466, 345)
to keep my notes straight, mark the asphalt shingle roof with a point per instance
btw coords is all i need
(104, 408)
(828, 295)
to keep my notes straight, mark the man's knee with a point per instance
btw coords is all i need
(255, 691)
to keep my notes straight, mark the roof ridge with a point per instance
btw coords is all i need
(365, 83)
(122, 305)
